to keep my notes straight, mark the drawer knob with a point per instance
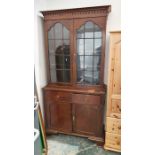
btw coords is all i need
(119, 127)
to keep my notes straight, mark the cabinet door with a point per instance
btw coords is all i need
(114, 83)
(59, 48)
(89, 41)
(87, 115)
(60, 116)
(58, 112)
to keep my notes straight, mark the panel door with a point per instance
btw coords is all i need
(114, 83)
(58, 113)
(61, 116)
(87, 115)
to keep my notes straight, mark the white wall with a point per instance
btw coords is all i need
(113, 23)
(39, 57)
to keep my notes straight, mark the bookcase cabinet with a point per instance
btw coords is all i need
(75, 94)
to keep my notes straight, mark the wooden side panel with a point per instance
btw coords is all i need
(113, 141)
(114, 77)
(117, 69)
(113, 122)
(113, 125)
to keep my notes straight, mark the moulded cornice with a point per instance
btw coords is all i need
(77, 12)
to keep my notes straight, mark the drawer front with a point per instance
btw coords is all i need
(58, 96)
(86, 99)
(113, 125)
(113, 141)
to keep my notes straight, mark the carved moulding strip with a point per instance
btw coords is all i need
(77, 13)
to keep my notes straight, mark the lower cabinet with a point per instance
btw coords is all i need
(74, 113)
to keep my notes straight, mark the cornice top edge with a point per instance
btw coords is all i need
(107, 8)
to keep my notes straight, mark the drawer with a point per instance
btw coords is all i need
(113, 141)
(113, 125)
(57, 96)
(86, 99)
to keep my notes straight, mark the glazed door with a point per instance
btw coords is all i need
(89, 42)
(59, 49)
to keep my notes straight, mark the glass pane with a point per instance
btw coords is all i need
(97, 61)
(96, 69)
(51, 46)
(63, 75)
(66, 62)
(58, 47)
(59, 74)
(80, 62)
(51, 33)
(65, 49)
(89, 29)
(66, 42)
(52, 60)
(63, 60)
(59, 66)
(80, 32)
(65, 33)
(97, 32)
(88, 77)
(80, 46)
(89, 47)
(88, 62)
(80, 76)
(59, 60)
(66, 76)
(98, 46)
(53, 75)
(58, 31)
(96, 77)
